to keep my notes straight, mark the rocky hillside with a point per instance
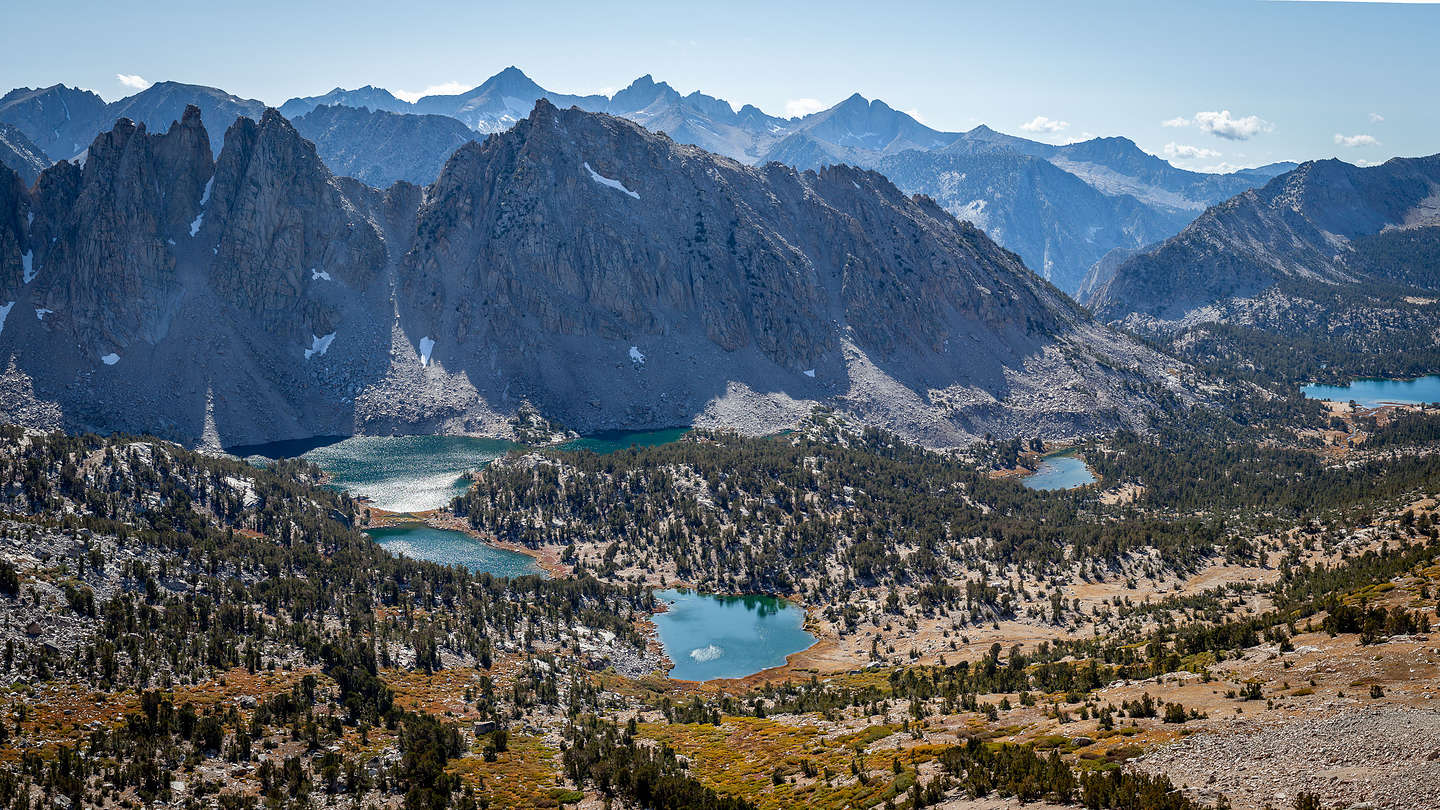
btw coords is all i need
(607, 275)
(1301, 228)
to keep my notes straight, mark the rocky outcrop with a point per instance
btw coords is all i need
(107, 262)
(14, 214)
(606, 275)
(279, 224)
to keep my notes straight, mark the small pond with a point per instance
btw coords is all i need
(710, 636)
(1063, 470)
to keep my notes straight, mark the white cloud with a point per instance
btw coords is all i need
(1178, 121)
(1353, 141)
(1377, 118)
(798, 107)
(914, 113)
(1181, 151)
(1042, 124)
(132, 81)
(442, 89)
(1222, 125)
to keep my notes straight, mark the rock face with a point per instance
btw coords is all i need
(380, 148)
(102, 257)
(1318, 227)
(605, 275)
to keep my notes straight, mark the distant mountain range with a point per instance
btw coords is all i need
(1338, 261)
(1126, 198)
(607, 275)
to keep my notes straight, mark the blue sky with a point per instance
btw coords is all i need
(1239, 82)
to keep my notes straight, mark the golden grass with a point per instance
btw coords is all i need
(740, 756)
(524, 777)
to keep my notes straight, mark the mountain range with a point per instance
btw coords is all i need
(1023, 191)
(234, 290)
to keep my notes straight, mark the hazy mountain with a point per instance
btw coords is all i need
(1059, 224)
(500, 101)
(63, 121)
(860, 126)
(367, 97)
(380, 148)
(1299, 227)
(609, 276)
(698, 119)
(21, 154)
(60, 120)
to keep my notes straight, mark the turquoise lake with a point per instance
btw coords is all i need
(406, 473)
(710, 636)
(1374, 393)
(420, 542)
(417, 473)
(1063, 470)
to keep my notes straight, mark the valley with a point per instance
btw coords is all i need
(493, 447)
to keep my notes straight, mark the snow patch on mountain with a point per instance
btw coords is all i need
(319, 345)
(605, 181)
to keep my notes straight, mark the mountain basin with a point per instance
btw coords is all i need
(710, 636)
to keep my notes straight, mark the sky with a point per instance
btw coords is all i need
(1207, 85)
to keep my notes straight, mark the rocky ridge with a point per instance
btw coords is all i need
(608, 276)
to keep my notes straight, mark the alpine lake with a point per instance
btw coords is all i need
(706, 636)
(1063, 470)
(1374, 393)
